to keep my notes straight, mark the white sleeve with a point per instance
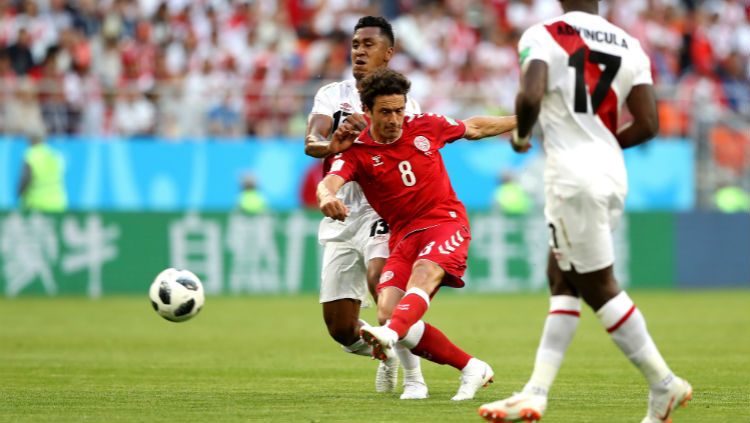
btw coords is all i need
(412, 107)
(323, 103)
(642, 71)
(535, 44)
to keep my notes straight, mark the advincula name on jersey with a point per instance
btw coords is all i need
(595, 35)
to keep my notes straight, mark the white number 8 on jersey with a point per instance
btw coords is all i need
(409, 178)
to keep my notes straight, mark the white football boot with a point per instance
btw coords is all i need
(475, 375)
(386, 377)
(382, 339)
(662, 402)
(414, 386)
(520, 407)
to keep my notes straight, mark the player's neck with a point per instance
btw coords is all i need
(384, 140)
(586, 6)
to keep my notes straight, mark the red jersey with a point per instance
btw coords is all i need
(406, 181)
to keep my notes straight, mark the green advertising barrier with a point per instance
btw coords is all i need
(114, 253)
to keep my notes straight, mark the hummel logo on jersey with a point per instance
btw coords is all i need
(346, 107)
(377, 160)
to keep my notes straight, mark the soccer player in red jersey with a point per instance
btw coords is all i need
(397, 162)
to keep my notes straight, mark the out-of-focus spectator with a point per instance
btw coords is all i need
(510, 197)
(20, 53)
(42, 185)
(732, 199)
(459, 54)
(134, 115)
(736, 82)
(307, 192)
(225, 118)
(52, 95)
(251, 200)
(23, 114)
(7, 87)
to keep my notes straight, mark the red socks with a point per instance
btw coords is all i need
(409, 311)
(436, 347)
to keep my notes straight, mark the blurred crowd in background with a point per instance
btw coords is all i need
(219, 68)
(247, 70)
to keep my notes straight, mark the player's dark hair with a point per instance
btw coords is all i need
(382, 82)
(379, 22)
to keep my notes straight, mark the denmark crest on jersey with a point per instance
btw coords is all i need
(386, 276)
(422, 143)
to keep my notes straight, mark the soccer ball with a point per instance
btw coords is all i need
(176, 294)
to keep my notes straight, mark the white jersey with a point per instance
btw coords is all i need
(592, 66)
(339, 100)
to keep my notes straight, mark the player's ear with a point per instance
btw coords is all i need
(389, 53)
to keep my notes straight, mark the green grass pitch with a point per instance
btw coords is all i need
(269, 359)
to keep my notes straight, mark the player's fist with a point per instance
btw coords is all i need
(520, 144)
(357, 120)
(333, 208)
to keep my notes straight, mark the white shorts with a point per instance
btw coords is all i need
(344, 273)
(581, 220)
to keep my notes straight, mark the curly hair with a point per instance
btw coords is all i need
(382, 82)
(386, 29)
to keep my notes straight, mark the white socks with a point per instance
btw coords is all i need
(409, 361)
(360, 347)
(627, 326)
(559, 328)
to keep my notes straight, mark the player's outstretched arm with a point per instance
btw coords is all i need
(327, 201)
(478, 127)
(316, 137)
(642, 104)
(529, 103)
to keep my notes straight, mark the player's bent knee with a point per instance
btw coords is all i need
(426, 275)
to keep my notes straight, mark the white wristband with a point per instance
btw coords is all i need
(519, 141)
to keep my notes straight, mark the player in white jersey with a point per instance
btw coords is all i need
(577, 72)
(355, 250)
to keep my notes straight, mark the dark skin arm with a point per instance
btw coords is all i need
(642, 104)
(23, 183)
(529, 99)
(316, 137)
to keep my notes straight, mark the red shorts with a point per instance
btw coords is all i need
(447, 245)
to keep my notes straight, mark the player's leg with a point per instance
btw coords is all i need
(427, 274)
(342, 290)
(627, 327)
(374, 270)
(342, 320)
(414, 383)
(591, 259)
(559, 329)
(374, 240)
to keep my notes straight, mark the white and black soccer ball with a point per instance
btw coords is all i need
(177, 294)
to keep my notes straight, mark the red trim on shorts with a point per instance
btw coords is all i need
(621, 321)
(567, 312)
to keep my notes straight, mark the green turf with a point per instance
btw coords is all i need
(269, 359)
